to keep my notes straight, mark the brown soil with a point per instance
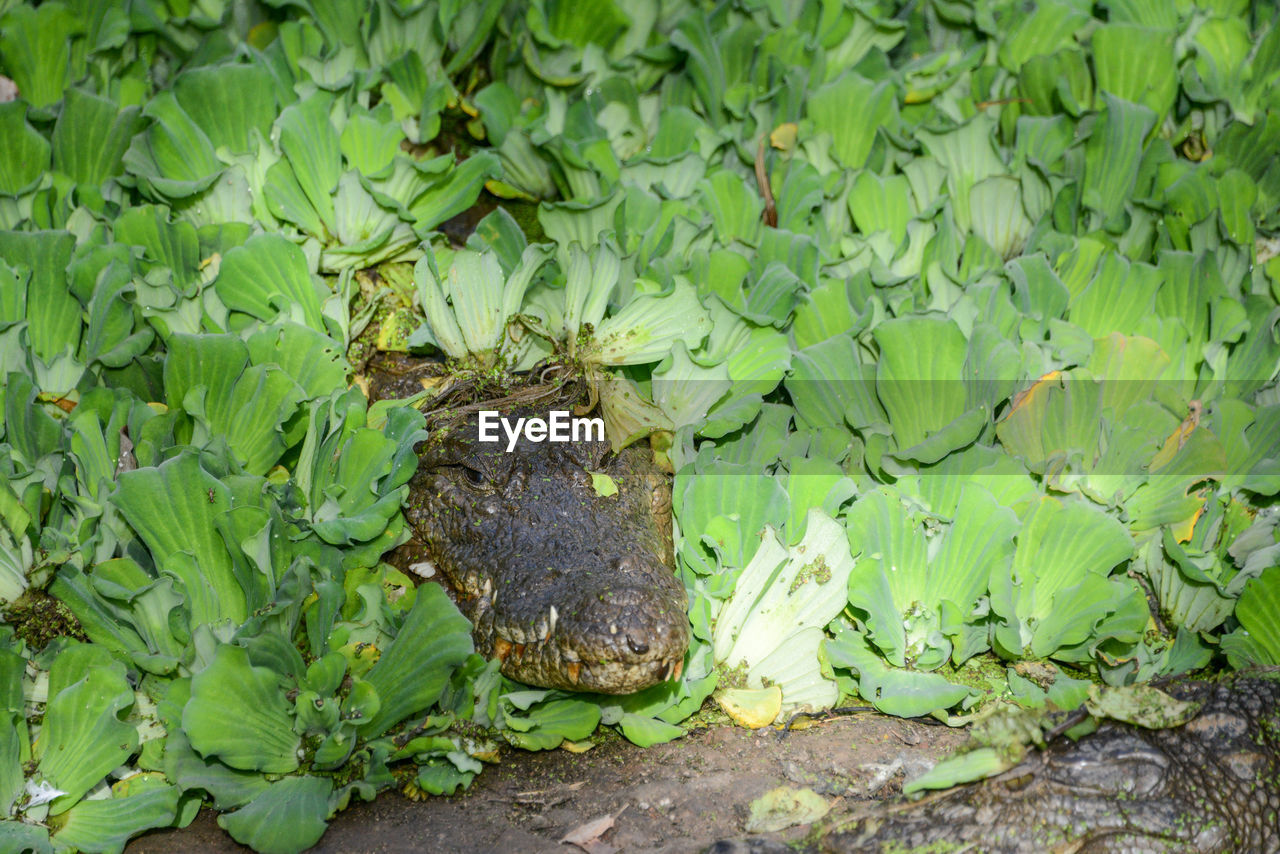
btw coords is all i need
(677, 797)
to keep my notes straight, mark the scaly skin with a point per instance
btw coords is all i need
(1211, 786)
(569, 589)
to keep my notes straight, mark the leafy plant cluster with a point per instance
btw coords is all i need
(956, 320)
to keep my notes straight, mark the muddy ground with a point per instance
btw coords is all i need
(676, 797)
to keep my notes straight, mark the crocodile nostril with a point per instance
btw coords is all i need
(626, 563)
(638, 647)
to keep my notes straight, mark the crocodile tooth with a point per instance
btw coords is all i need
(487, 590)
(519, 652)
(551, 623)
(501, 648)
(423, 569)
(573, 668)
(677, 668)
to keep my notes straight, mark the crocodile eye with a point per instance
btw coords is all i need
(475, 477)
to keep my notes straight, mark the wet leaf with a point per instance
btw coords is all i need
(785, 807)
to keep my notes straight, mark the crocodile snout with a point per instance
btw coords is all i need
(568, 587)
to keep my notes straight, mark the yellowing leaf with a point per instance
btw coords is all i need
(783, 136)
(752, 708)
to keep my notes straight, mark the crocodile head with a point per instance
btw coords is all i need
(570, 587)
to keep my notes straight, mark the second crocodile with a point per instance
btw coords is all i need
(1211, 786)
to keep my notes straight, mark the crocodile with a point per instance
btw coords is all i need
(1211, 785)
(569, 584)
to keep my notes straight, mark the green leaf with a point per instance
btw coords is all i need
(1128, 368)
(894, 691)
(227, 787)
(173, 158)
(1058, 83)
(14, 738)
(313, 360)
(1237, 193)
(91, 137)
(551, 722)
(165, 243)
(825, 312)
(829, 382)
(1137, 64)
(24, 153)
(1223, 46)
(209, 377)
(478, 289)
(881, 204)
(1051, 26)
(287, 818)
(603, 485)
(369, 144)
(590, 281)
(977, 764)
(686, 391)
(853, 131)
(734, 205)
(152, 607)
(891, 577)
(917, 385)
(411, 674)
(82, 738)
(115, 336)
(229, 102)
(1255, 360)
(566, 222)
(286, 200)
(259, 736)
(35, 49)
(646, 328)
(978, 544)
(355, 476)
(268, 276)
(310, 144)
(814, 483)
(13, 296)
(173, 508)
(139, 803)
(1257, 641)
(998, 216)
(646, 732)
(1183, 460)
(598, 22)
(692, 35)
(1112, 156)
(1151, 13)
(968, 155)
(740, 496)
(1054, 421)
(1056, 592)
(452, 192)
(23, 838)
(53, 313)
